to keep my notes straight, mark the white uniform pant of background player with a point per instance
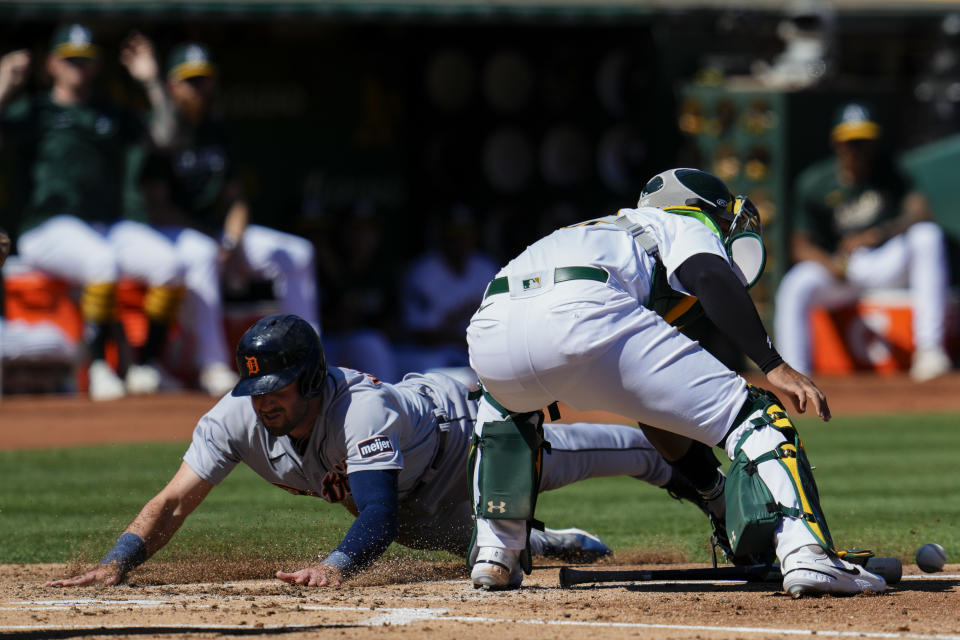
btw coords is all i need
(916, 258)
(593, 347)
(69, 248)
(285, 259)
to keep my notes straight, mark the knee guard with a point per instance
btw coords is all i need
(752, 512)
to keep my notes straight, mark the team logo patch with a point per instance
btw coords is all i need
(531, 283)
(501, 508)
(374, 446)
(253, 367)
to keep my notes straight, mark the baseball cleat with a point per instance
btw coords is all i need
(569, 545)
(810, 571)
(929, 364)
(104, 384)
(496, 569)
(218, 379)
(142, 379)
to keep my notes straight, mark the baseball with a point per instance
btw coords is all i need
(930, 557)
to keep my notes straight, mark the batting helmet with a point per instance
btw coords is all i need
(695, 188)
(275, 352)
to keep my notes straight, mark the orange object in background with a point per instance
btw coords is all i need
(873, 334)
(130, 294)
(32, 296)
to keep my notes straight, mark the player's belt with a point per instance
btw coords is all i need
(560, 274)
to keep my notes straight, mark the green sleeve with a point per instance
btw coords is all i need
(17, 121)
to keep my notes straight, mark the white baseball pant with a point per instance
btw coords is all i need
(916, 258)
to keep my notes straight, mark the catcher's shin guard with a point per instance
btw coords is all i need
(509, 469)
(756, 505)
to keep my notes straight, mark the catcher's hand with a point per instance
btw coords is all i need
(800, 389)
(107, 574)
(319, 575)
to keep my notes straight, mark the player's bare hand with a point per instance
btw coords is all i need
(317, 576)
(107, 574)
(14, 68)
(139, 58)
(801, 390)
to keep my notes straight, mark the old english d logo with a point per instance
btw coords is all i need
(502, 507)
(253, 367)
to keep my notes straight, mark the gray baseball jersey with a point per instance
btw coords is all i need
(419, 426)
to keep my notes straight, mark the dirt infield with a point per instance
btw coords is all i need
(156, 605)
(420, 600)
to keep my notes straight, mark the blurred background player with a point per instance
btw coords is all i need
(359, 292)
(209, 222)
(76, 145)
(859, 224)
(439, 294)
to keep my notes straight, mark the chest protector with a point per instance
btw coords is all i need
(678, 309)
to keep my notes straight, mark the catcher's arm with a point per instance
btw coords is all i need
(149, 532)
(728, 305)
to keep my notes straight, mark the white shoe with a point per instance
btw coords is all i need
(497, 569)
(810, 571)
(570, 545)
(142, 379)
(929, 364)
(146, 379)
(105, 384)
(218, 379)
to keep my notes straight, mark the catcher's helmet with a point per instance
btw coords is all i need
(275, 352)
(695, 188)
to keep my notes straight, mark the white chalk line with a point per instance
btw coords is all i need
(399, 616)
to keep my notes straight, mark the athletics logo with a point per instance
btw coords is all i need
(253, 367)
(502, 507)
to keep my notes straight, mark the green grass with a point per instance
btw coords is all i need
(887, 483)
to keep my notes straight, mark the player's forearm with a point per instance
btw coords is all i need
(728, 305)
(235, 223)
(377, 524)
(802, 249)
(163, 121)
(915, 208)
(157, 522)
(366, 540)
(146, 535)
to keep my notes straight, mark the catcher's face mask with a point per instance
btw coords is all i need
(744, 239)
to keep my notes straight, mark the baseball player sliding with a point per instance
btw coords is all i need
(394, 455)
(583, 316)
